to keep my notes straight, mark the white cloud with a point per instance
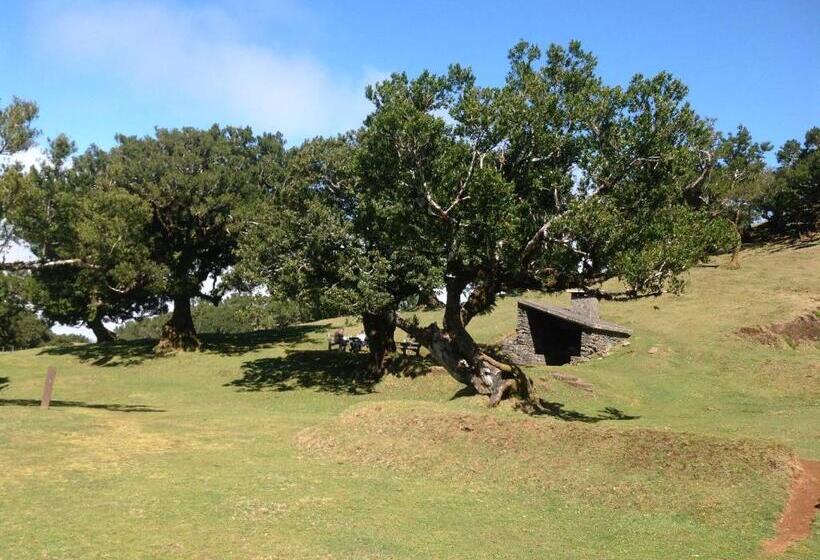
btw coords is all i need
(33, 157)
(200, 55)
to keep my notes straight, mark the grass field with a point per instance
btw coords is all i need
(263, 446)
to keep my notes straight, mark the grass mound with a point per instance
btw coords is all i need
(266, 445)
(709, 478)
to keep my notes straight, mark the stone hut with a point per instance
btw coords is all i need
(549, 334)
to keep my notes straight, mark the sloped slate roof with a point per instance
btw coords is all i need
(571, 316)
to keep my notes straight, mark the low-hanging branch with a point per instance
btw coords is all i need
(15, 266)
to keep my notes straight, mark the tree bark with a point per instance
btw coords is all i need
(15, 266)
(734, 262)
(100, 331)
(454, 349)
(179, 332)
(380, 329)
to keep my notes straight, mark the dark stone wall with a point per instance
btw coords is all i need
(543, 339)
(593, 343)
(521, 347)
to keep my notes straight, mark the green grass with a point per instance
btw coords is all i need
(263, 446)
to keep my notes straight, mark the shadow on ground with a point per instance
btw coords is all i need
(118, 353)
(557, 410)
(134, 352)
(335, 372)
(240, 343)
(78, 404)
(4, 382)
(775, 243)
(410, 366)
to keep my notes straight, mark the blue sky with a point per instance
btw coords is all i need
(97, 68)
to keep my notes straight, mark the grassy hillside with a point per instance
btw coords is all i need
(263, 446)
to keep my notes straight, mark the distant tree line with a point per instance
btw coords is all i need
(236, 314)
(552, 180)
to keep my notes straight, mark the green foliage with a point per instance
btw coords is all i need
(16, 132)
(794, 206)
(195, 186)
(320, 241)
(65, 339)
(119, 233)
(739, 183)
(554, 179)
(68, 213)
(236, 314)
(20, 327)
(200, 187)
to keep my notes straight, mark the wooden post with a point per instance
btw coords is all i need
(48, 388)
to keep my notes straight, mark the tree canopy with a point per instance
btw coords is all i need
(552, 180)
(88, 240)
(794, 206)
(195, 188)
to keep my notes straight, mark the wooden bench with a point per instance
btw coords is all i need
(411, 345)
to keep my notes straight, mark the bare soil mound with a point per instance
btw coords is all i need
(805, 328)
(804, 500)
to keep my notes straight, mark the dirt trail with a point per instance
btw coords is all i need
(804, 499)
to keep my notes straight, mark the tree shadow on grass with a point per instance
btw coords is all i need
(4, 382)
(409, 366)
(774, 243)
(557, 410)
(240, 343)
(78, 404)
(134, 352)
(466, 391)
(110, 354)
(335, 372)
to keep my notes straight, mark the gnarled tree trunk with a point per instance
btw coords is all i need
(380, 329)
(458, 353)
(179, 332)
(100, 332)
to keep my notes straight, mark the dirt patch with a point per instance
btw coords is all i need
(805, 328)
(804, 500)
(572, 381)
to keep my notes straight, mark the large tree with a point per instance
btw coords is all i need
(88, 240)
(78, 233)
(199, 187)
(323, 242)
(739, 184)
(794, 205)
(553, 180)
(20, 327)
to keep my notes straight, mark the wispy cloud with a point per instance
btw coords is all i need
(201, 56)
